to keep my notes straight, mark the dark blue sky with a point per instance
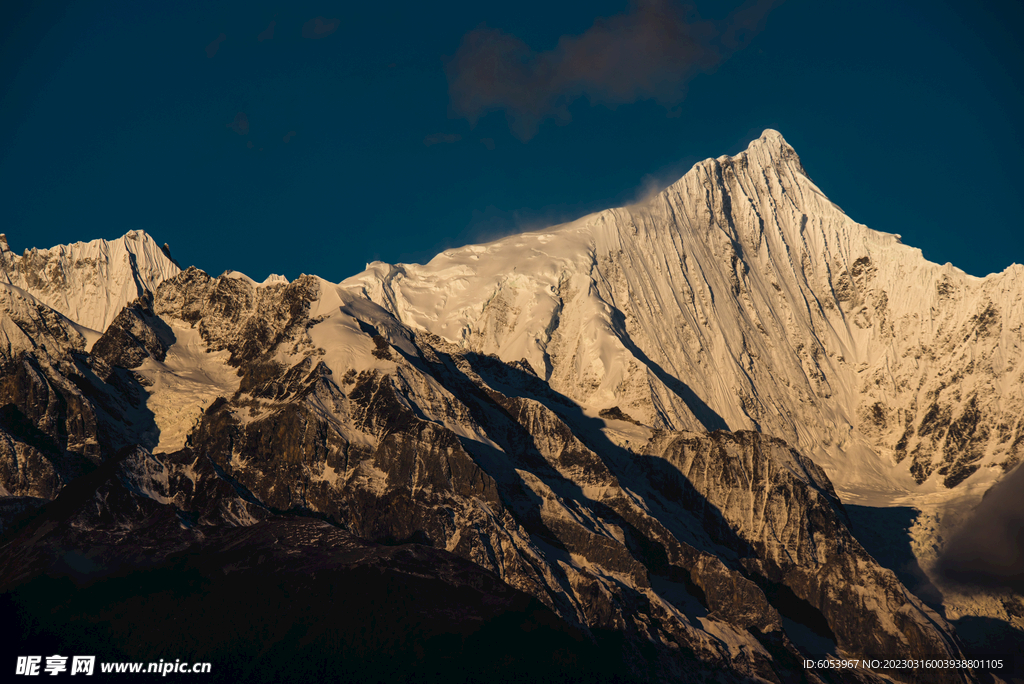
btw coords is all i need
(378, 132)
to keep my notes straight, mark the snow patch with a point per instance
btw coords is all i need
(184, 385)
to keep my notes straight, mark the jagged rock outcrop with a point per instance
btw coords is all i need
(133, 336)
(58, 417)
(779, 512)
(43, 414)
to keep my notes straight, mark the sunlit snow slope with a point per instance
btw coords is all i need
(89, 282)
(740, 297)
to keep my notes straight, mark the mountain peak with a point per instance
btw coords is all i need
(771, 141)
(770, 150)
(90, 282)
(773, 137)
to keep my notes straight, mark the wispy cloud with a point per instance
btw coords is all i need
(320, 27)
(267, 33)
(441, 138)
(650, 52)
(214, 45)
(240, 124)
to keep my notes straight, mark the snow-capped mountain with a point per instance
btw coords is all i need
(649, 424)
(89, 282)
(741, 298)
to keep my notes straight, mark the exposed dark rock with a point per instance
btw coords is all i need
(381, 350)
(615, 413)
(792, 534)
(136, 334)
(281, 600)
(986, 323)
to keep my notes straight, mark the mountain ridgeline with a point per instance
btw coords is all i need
(620, 449)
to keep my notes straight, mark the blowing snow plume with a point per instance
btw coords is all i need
(649, 53)
(988, 550)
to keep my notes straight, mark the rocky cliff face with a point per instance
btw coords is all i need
(556, 452)
(58, 418)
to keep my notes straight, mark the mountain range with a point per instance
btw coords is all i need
(706, 437)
